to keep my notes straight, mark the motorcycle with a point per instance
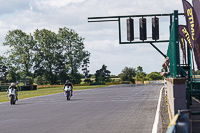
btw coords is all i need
(67, 92)
(12, 95)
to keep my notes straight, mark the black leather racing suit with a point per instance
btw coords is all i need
(69, 84)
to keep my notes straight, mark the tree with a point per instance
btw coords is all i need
(154, 76)
(128, 74)
(56, 57)
(85, 70)
(3, 68)
(20, 53)
(12, 74)
(139, 69)
(73, 51)
(40, 80)
(46, 50)
(140, 76)
(102, 75)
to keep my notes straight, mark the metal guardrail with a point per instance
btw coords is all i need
(5, 84)
(181, 123)
(154, 82)
(193, 90)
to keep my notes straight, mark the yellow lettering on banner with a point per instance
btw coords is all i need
(189, 11)
(183, 43)
(191, 19)
(185, 32)
(192, 31)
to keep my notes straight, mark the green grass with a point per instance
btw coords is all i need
(44, 91)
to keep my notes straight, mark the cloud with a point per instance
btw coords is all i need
(101, 39)
(11, 6)
(60, 3)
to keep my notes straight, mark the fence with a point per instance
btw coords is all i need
(173, 48)
(154, 82)
(181, 123)
(21, 88)
(176, 88)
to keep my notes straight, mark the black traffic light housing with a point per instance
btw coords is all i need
(155, 28)
(130, 29)
(143, 29)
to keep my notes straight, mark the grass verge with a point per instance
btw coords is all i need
(44, 91)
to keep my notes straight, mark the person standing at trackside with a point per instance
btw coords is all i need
(68, 83)
(166, 67)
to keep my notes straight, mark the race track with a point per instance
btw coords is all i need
(114, 109)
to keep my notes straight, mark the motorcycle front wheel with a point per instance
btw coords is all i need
(11, 100)
(68, 95)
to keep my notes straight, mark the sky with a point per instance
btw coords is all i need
(101, 39)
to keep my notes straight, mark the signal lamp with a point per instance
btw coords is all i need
(155, 28)
(130, 29)
(143, 29)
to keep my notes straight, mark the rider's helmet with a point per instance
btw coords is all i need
(67, 81)
(12, 85)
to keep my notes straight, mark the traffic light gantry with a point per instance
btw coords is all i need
(142, 27)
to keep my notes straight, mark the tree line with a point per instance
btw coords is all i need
(127, 74)
(46, 57)
(133, 74)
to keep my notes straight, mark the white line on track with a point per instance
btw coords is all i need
(155, 125)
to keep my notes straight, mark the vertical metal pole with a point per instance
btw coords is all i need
(170, 27)
(158, 50)
(177, 60)
(189, 63)
(119, 24)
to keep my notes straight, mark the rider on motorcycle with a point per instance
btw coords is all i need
(68, 83)
(14, 87)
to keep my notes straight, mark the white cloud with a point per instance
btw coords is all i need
(11, 6)
(101, 39)
(60, 3)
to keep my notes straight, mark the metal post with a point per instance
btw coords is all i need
(177, 60)
(170, 26)
(189, 63)
(158, 50)
(119, 25)
(117, 18)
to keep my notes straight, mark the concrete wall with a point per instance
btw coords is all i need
(176, 95)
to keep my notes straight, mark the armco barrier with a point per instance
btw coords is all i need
(181, 123)
(81, 84)
(48, 86)
(97, 83)
(3, 88)
(125, 82)
(21, 88)
(113, 83)
(5, 84)
(28, 87)
(154, 82)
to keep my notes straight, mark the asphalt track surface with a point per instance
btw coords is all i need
(115, 109)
